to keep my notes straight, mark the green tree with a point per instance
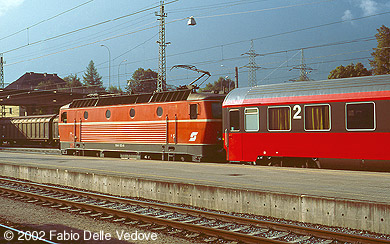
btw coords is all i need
(47, 85)
(381, 62)
(350, 70)
(222, 84)
(91, 77)
(72, 81)
(114, 90)
(142, 81)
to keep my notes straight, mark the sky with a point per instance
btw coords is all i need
(62, 37)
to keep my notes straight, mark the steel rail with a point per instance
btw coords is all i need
(319, 233)
(149, 219)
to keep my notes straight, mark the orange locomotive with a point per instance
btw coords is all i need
(173, 125)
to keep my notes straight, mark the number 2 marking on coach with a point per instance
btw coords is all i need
(193, 136)
(298, 110)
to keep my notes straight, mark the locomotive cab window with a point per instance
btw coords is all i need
(193, 111)
(360, 116)
(234, 120)
(279, 118)
(64, 117)
(317, 117)
(251, 119)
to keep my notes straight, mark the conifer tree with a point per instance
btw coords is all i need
(91, 77)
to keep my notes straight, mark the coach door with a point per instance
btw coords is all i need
(234, 144)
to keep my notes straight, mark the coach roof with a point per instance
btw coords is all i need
(241, 96)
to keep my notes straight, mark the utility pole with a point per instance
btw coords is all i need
(303, 69)
(162, 64)
(252, 66)
(2, 81)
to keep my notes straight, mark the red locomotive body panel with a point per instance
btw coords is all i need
(190, 127)
(332, 122)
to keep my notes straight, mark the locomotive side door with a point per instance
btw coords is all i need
(77, 127)
(234, 140)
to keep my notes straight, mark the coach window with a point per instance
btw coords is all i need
(85, 115)
(279, 118)
(132, 112)
(251, 119)
(317, 117)
(360, 116)
(234, 120)
(193, 111)
(108, 114)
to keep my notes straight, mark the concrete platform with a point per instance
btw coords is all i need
(352, 199)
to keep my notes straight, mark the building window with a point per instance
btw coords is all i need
(234, 120)
(193, 111)
(132, 112)
(317, 117)
(279, 118)
(251, 119)
(360, 116)
(159, 111)
(85, 115)
(108, 114)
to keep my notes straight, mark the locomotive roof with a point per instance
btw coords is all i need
(157, 97)
(293, 90)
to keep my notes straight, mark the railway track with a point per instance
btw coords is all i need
(193, 223)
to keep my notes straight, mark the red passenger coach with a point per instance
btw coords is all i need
(181, 125)
(339, 123)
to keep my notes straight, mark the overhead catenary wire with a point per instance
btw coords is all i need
(45, 20)
(84, 28)
(141, 11)
(217, 46)
(273, 35)
(217, 5)
(262, 10)
(101, 34)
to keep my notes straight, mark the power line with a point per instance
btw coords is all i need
(262, 10)
(208, 47)
(84, 28)
(89, 37)
(83, 45)
(282, 33)
(217, 5)
(42, 21)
